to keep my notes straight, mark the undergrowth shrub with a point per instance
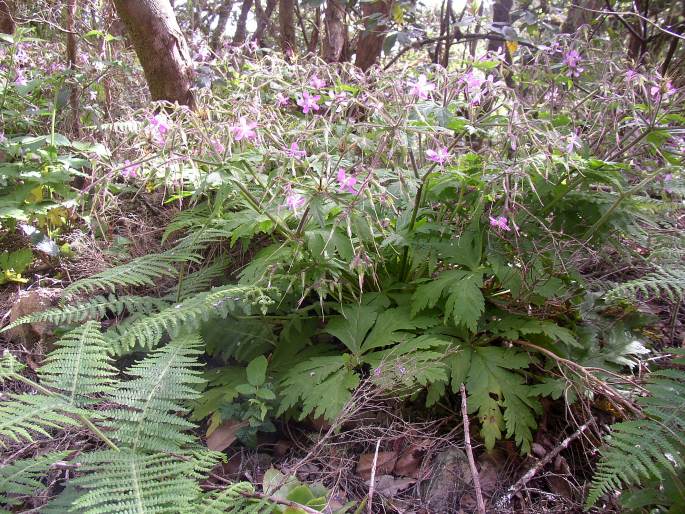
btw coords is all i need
(367, 229)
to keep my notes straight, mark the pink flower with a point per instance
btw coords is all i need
(473, 83)
(294, 200)
(20, 79)
(573, 143)
(244, 130)
(631, 75)
(130, 170)
(667, 90)
(295, 152)
(160, 126)
(282, 100)
(218, 147)
(421, 88)
(441, 156)
(500, 222)
(346, 182)
(316, 82)
(339, 99)
(308, 102)
(2, 136)
(572, 59)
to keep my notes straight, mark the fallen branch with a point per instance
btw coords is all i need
(469, 453)
(520, 484)
(372, 483)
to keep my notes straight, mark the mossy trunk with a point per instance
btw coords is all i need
(161, 48)
(286, 18)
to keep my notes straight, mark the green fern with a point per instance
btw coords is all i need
(662, 282)
(644, 450)
(148, 331)
(142, 271)
(234, 500)
(79, 368)
(135, 482)
(23, 478)
(94, 308)
(148, 417)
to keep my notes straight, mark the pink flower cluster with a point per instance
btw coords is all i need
(572, 61)
(421, 88)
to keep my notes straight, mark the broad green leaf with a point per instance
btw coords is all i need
(256, 370)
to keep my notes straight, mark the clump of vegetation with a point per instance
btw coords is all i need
(496, 230)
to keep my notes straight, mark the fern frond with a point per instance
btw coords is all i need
(10, 367)
(79, 366)
(142, 271)
(129, 481)
(198, 281)
(147, 332)
(26, 416)
(646, 449)
(150, 403)
(94, 308)
(23, 478)
(667, 282)
(233, 500)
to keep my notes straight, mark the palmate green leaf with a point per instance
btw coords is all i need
(461, 289)
(353, 325)
(497, 392)
(322, 384)
(24, 477)
(516, 327)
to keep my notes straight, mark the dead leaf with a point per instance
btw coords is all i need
(409, 463)
(224, 435)
(388, 485)
(384, 464)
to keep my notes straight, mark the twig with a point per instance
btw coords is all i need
(280, 501)
(372, 484)
(469, 453)
(521, 482)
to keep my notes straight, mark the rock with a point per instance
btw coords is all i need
(29, 302)
(450, 480)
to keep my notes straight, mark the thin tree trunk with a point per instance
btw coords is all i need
(72, 55)
(286, 18)
(314, 40)
(161, 48)
(335, 31)
(263, 21)
(580, 13)
(7, 25)
(223, 14)
(501, 17)
(370, 43)
(241, 28)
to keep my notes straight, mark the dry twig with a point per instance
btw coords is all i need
(469, 453)
(372, 483)
(514, 489)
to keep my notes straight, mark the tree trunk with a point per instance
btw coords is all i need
(501, 17)
(223, 15)
(314, 39)
(72, 54)
(263, 21)
(161, 48)
(7, 25)
(335, 31)
(579, 14)
(370, 43)
(241, 28)
(286, 18)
